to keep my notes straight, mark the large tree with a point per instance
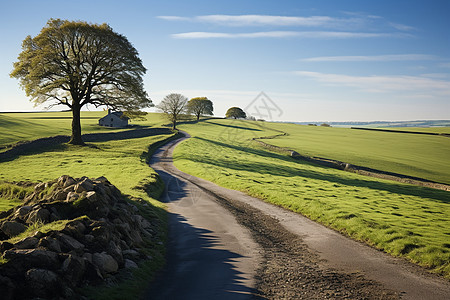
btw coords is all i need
(235, 113)
(200, 106)
(78, 63)
(174, 106)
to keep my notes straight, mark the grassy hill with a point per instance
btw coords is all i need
(401, 219)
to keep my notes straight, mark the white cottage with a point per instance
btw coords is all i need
(114, 119)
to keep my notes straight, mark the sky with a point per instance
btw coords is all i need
(303, 60)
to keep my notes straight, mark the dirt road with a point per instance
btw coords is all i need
(227, 245)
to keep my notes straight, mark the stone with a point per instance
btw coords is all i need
(129, 264)
(115, 252)
(39, 215)
(72, 196)
(73, 268)
(23, 210)
(5, 246)
(12, 228)
(136, 238)
(294, 154)
(102, 179)
(27, 243)
(87, 256)
(39, 187)
(92, 273)
(69, 182)
(84, 186)
(131, 254)
(142, 221)
(50, 243)
(42, 282)
(105, 263)
(60, 195)
(36, 258)
(91, 196)
(68, 243)
(75, 228)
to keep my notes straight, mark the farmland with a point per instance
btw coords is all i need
(400, 219)
(403, 220)
(420, 156)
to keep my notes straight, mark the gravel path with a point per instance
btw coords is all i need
(270, 253)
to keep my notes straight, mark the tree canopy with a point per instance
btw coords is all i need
(173, 105)
(235, 113)
(200, 106)
(78, 63)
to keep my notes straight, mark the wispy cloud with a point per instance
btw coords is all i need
(284, 34)
(352, 21)
(263, 20)
(383, 83)
(401, 27)
(377, 58)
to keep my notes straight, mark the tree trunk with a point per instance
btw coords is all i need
(198, 117)
(174, 124)
(76, 126)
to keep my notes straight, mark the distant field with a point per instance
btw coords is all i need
(403, 220)
(420, 156)
(17, 127)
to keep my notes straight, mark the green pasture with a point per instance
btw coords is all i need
(17, 127)
(404, 220)
(123, 162)
(423, 156)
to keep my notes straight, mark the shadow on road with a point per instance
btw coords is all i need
(197, 268)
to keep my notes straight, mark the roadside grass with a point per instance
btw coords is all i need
(123, 162)
(422, 156)
(404, 220)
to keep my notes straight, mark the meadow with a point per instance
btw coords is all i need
(17, 127)
(422, 156)
(123, 162)
(404, 220)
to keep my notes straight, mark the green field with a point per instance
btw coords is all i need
(423, 156)
(404, 220)
(123, 162)
(17, 127)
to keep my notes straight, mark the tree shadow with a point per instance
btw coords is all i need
(196, 266)
(56, 142)
(286, 171)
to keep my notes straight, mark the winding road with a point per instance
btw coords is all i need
(224, 244)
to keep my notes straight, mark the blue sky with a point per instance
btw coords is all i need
(316, 60)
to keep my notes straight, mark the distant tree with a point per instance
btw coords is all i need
(325, 125)
(236, 113)
(173, 105)
(77, 63)
(200, 106)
